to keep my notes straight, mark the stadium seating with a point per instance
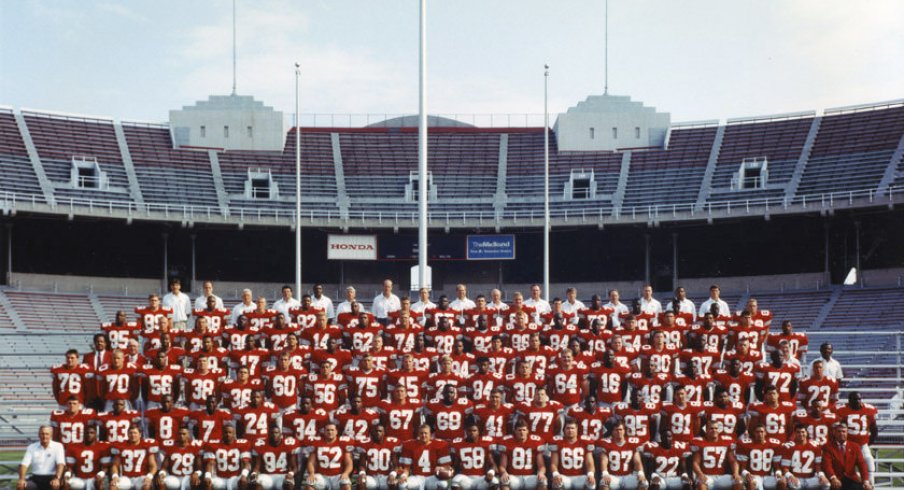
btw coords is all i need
(17, 175)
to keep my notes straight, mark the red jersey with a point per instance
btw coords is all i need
(471, 316)
(703, 362)
(650, 389)
(817, 428)
(235, 336)
(462, 363)
(824, 390)
(521, 389)
(116, 427)
(638, 421)
(748, 361)
(557, 339)
(181, 460)
(275, 459)
(298, 357)
(501, 361)
(134, 459)
(610, 381)
(367, 385)
(216, 319)
(597, 342)
(423, 459)
(165, 425)
(712, 339)
(758, 458)
(713, 454)
(472, 456)
(160, 381)
(376, 457)
(480, 386)
(660, 361)
(117, 384)
(355, 425)
(151, 320)
(276, 337)
(254, 359)
(522, 456)
(435, 313)
(326, 392)
(482, 339)
(341, 359)
(620, 457)
(71, 426)
(801, 460)
(71, 382)
(209, 426)
(591, 425)
(305, 426)
(437, 381)
(728, 416)
(695, 387)
(858, 421)
(776, 419)
(495, 422)
(400, 419)
(403, 339)
(362, 338)
(329, 457)
(383, 358)
(674, 334)
(256, 420)
(201, 386)
(541, 420)
(754, 334)
(228, 457)
(737, 387)
(413, 381)
(540, 360)
(572, 454)
(633, 339)
(350, 320)
(305, 318)
(424, 360)
(87, 459)
(666, 461)
(318, 338)
(216, 359)
(567, 385)
(443, 340)
(237, 394)
(586, 316)
(519, 338)
(683, 421)
(797, 342)
(449, 418)
(780, 377)
(120, 335)
(284, 385)
(260, 320)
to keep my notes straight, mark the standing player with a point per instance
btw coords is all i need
(495, 417)
(69, 425)
(448, 414)
(116, 381)
(773, 413)
(860, 419)
(71, 379)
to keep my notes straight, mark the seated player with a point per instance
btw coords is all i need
(472, 459)
(521, 462)
(714, 463)
(181, 462)
(425, 462)
(667, 463)
(134, 462)
(228, 462)
(85, 462)
(275, 461)
(377, 460)
(801, 462)
(622, 467)
(571, 460)
(756, 457)
(329, 464)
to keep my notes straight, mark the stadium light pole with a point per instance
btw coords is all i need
(546, 180)
(297, 185)
(422, 149)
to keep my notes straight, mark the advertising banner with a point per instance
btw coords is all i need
(351, 247)
(491, 247)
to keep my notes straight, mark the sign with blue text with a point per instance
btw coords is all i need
(491, 247)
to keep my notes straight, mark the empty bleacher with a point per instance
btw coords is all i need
(867, 309)
(672, 176)
(166, 175)
(852, 150)
(16, 172)
(46, 312)
(801, 308)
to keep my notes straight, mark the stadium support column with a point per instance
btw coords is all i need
(646, 258)
(674, 260)
(165, 259)
(827, 274)
(422, 149)
(9, 254)
(857, 251)
(546, 180)
(193, 271)
(297, 187)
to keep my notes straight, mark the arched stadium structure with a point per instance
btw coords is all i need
(97, 212)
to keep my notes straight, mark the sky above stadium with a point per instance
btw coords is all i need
(698, 59)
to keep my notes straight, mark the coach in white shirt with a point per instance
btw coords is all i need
(714, 293)
(537, 302)
(346, 306)
(684, 305)
(423, 301)
(244, 307)
(385, 303)
(831, 367)
(180, 303)
(649, 304)
(620, 308)
(462, 303)
(286, 303)
(572, 304)
(47, 460)
(207, 290)
(321, 301)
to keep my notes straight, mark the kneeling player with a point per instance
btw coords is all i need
(377, 460)
(572, 455)
(330, 462)
(620, 461)
(714, 463)
(473, 461)
(275, 461)
(425, 462)
(521, 463)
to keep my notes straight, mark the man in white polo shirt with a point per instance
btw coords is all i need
(47, 460)
(321, 301)
(180, 303)
(346, 306)
(286, 303)
(207, 290)
(714, 297)
(649, 304)
(385, 303)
